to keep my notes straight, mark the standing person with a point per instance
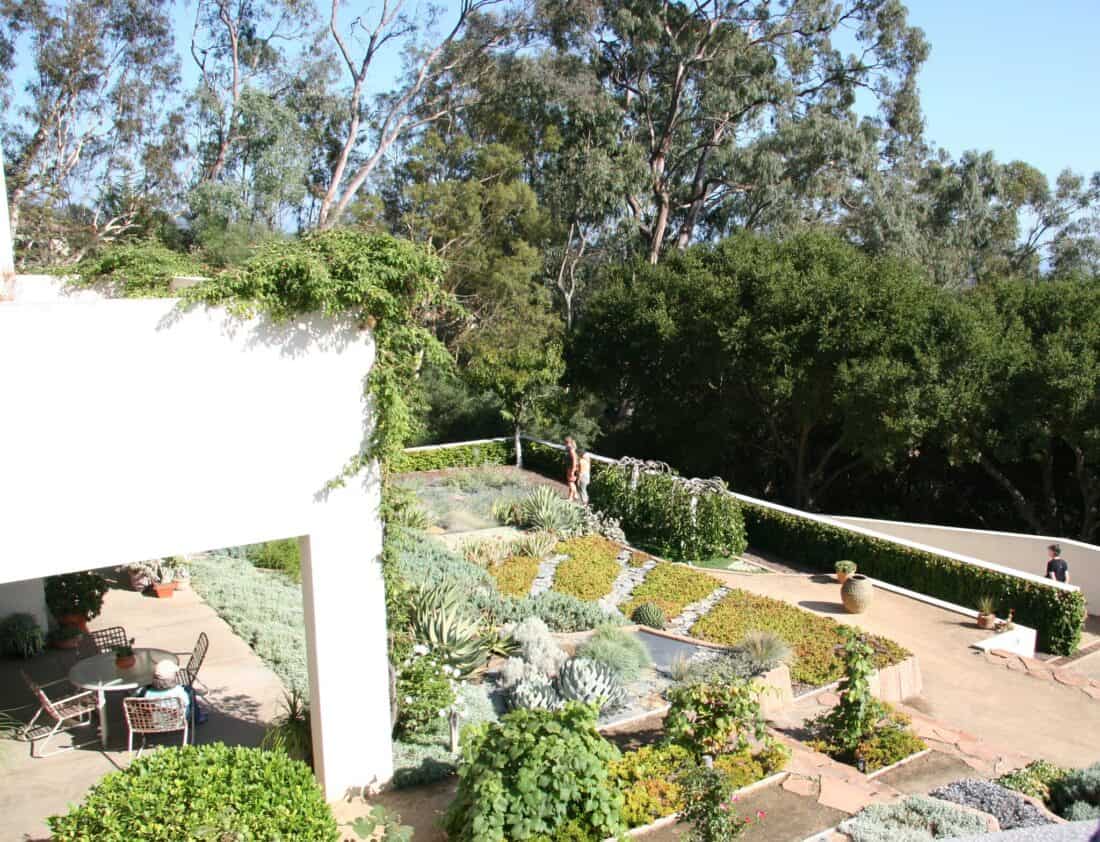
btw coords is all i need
(584, 475)
(572, 467)
(1056, 566)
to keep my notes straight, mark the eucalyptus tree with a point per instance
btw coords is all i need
(96, 106)
(701, 85)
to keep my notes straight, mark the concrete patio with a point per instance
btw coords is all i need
(244, 695)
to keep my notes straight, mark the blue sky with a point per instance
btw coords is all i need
(1019, 78)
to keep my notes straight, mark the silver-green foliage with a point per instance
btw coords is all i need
(516, 670)
(534, 694)
(263, 610)
(439, 618)
(914, 819)
(1078, 791)
(582, 680)
(535, 544)
(619, 651)
(538, 648)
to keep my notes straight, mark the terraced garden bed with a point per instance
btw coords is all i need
(671, 586)
(590, 568)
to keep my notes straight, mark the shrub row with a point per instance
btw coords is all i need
(814, 640)
(460, 456)
(658, 513)
(1057, 615)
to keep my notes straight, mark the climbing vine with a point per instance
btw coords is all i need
(375, 281)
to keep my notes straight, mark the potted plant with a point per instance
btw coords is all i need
(21, 636)
(75, 598)
(65, 637)
(183, 573)
(164, 580)
(141, 575)
(844, 569)
(124, 656)
(987, 612)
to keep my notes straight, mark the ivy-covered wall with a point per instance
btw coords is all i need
(1057, 615)
(461, 456)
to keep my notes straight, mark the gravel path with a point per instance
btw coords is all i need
(628, 580)
(544, 579)
(690, 615)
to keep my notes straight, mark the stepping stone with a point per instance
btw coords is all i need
(800, 786)
(843, 796)
(828, 699)
(1070, 678)
(1093, 691)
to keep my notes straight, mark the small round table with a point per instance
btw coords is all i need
(99, 673)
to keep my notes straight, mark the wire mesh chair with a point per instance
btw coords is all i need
(102, 641)
(153, 716)
(189, 675)
(66, 713)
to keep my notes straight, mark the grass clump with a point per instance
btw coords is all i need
(619, 651)
(670, 587)
(515, 574)
(590, 569)
(815, 640)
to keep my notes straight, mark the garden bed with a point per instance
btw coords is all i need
(462, 499)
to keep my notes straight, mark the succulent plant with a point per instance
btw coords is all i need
(534, 693)
(586, 681)
(649, 614)
(535, 544)
(440, 619)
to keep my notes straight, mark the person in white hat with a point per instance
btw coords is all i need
(166, 683)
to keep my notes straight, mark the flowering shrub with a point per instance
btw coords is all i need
(710, 807)
(714, 718)
(425, 690)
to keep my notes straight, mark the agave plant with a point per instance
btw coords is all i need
(535, 544)
(587, 681)
(544, 510)
(535, 694)
(440, 619)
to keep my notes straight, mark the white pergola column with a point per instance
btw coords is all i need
(345, 615)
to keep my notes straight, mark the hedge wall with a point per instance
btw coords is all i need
(1056, 615)
(462, 456)
(547, 460)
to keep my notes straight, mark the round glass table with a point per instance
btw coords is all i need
(100, 673)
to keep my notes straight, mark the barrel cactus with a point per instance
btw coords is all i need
(587, 681)
(649, 614)
(534, 694)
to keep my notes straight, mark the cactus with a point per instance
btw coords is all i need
(587, 681)
(649, 614)
(535, 694)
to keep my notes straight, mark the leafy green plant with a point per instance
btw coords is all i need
(515, 574)
(670, 587)
(848, 567)
(212, 791)
(746, 767)
(709, 807)
(21, 636)
(424, 689)
(454, 456)
(619, 651)
(291, 732)
(814, 640)
(380, 825)
(649, 614)
(76, 593)
(590, 569)
(912, 819)
(985, 604)
(676, 519)
(142, 269)
(582, 680)
(649, 780)
(1058, 615)
(1035, 779)
(283, 555)
(712, 719)
(532, 774)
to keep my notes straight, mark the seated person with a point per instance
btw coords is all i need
(166, 684)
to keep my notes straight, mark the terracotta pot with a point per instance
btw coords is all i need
(77, 620)
(987, 621)
(124, 662)
(164, 591)
(856, 594)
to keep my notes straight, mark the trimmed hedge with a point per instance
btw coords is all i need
(211, 791)
(548, 461)
(657, 514)
(461, 456)
(1056, 615)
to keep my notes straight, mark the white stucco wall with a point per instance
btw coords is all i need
(27, 596)
(1024, 553)
(132, 430)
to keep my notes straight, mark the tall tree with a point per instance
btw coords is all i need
(94, 104)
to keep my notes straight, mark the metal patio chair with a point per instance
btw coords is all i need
(153, 716)
(66, 712)
(102, 641)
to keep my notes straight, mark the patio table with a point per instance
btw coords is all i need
(99, 673)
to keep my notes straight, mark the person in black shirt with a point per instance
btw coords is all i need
(1057, 567)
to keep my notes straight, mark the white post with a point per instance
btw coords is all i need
(345, 615)
(7, 258)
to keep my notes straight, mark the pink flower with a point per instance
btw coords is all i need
(760, 814)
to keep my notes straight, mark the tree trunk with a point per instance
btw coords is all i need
(660, 225)
(1023, 507)
(519, 449)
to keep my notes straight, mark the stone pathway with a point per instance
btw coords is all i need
(544, 579)
(627, 581)
(690, 615)
(1044, 671)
